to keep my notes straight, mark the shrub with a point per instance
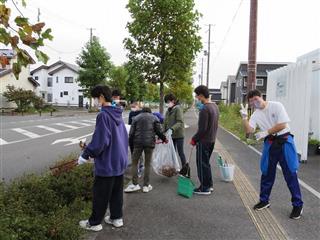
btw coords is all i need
(46, 207)
(313, 142)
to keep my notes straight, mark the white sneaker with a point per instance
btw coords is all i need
(132, 188)
(86, 225)
(147, 189)
(115, 222)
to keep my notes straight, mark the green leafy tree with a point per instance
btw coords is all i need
(163, 38)
(135, 84)
(20, 32)
(182, 90)
(118, 78)
(95, 66)
(22, 98)
(152, 92)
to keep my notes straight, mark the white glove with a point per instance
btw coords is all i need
(244, 111)
(261, 135)
(169, 132)
(81, 160)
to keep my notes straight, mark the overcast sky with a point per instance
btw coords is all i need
(286, 30)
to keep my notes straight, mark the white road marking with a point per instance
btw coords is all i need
(3, 142)
(302, 183)
(75, 140)
(26, 133)
(49, 129)
(89, 121)
(80, 123)
(66, 125)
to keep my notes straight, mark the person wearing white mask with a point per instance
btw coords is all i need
(174, 123)
(272, 120)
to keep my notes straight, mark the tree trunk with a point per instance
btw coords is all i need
(161, 97)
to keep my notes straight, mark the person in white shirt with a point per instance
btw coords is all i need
(273, 122)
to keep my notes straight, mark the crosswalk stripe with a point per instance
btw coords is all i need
(3, 142)
(66, 125)
(80, 123)
(89, 121)
(26, 133)
(49, 129)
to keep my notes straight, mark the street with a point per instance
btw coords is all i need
(31, 144)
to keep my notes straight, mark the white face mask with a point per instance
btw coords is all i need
(170, 105)
(134, 109)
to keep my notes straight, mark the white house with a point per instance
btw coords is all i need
(297, 86)
(58, 84)
(7, 77)
(224, 91)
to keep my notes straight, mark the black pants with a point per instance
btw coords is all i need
(106, 191)
(204, 151)
(178, 144)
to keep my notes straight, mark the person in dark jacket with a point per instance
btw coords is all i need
(205, 138)
(109, 148)
(142, 135)
(174, 122)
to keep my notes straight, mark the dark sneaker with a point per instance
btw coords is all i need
(261, 205)
(202, 191)
(296, 212)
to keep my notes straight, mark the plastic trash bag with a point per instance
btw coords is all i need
(165, 161)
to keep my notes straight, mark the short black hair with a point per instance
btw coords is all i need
(170, 97)
(202, 90)
(146, 109)
(253, 93)
(103, 90)
(116, 93)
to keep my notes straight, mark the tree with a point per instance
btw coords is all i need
(135, 84)
(152, 92)
(95, 66)
(163, 39)
(22, 98)
(182, 90)
(118, 78)
(21, 30)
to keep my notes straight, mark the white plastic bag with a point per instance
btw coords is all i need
(165, 161)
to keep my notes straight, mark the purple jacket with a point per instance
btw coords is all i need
(109, 144)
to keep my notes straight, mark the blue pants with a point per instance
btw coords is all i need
(204, 151)
(276, 155)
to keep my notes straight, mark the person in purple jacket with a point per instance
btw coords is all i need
(109, 148)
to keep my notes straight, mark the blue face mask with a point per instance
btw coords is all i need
(199, 105)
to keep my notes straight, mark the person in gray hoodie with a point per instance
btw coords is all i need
(109, 148)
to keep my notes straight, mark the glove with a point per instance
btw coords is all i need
(261, 135)
(193, 142)
(81, 160)
(244, 111)
(169, 132)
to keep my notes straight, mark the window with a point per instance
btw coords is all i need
(43, 95)
(57, 79)
(36, 78)
(49, 81)
(61, 94)
(68, 79)
(259, 82)
(65, 93)
(49, 97)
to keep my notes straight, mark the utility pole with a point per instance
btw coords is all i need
(201, 71)
(208, 62)
(252, 53)
(38, 14)
(91, 33)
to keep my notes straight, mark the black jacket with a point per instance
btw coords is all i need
(144, 129)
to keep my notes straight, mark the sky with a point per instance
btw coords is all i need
(286, 30)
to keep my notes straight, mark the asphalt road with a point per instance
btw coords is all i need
(31, 144)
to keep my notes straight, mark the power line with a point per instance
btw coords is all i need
(63, 52)
(229, 29)
(17, 8)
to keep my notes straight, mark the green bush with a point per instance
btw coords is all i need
(313, 142)
(46, 207)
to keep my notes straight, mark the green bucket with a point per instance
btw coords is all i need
(185, 187)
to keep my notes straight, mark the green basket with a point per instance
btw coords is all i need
(185, 187)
